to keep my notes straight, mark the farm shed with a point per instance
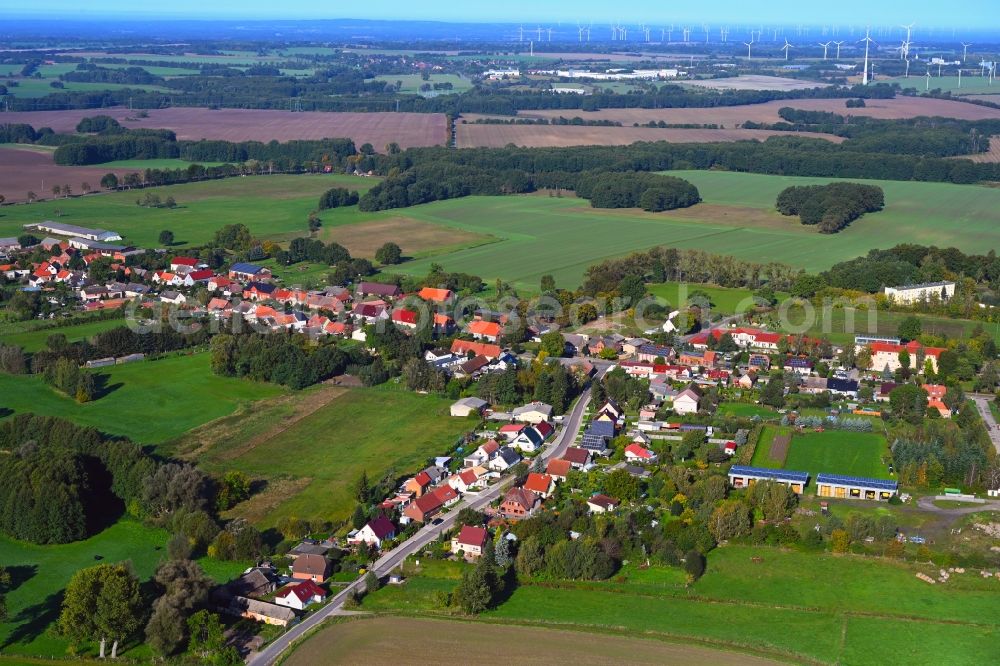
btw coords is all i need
(855, 487)
(741, 476)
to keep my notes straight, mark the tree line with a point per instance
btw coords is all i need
(649, 191)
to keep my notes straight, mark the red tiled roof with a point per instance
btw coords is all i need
(382, 527)
(522, 496)
(432, 294)
(576, 455)
(480, 327)
(539, 483)
(603, 501)
(544, 429)
(639, 451)
(183, 261)
(405, 316)
(472, 536)
(558, 467)
(479, 348)
(423, 478)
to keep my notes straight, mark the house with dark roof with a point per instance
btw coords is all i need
(378, 289)
(578, 457)
(311, 567)
(518, 503)
(600, 503)
(845, 387)
(255, 582)
(505, 459)
(528, 440)
(374, 532)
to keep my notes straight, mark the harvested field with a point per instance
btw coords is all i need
(397, 640)
(542, 136)
(730, 117)
(27, 170)
(416, 238)
(378, 129)
(757, 82)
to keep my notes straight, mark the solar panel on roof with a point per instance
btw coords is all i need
(865, 482)
(768, 473)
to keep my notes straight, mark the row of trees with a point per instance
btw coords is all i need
(833, 206)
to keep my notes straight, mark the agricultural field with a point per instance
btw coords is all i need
(378, 129)
(148, 401)
(33, 88)
(972, 84)
(312, 446)
(770, 609)
(730, 117)
(393, 640)
(737, 218)
(41, 572)
(271, 206)
(417, 239)
(830, 451)
(756, 82)
(25, 169)
(472, 135)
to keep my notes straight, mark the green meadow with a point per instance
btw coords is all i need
(839, 614)
(40, 573)
(411, 82)
(327, 437)
(33, 340)
(148, 401)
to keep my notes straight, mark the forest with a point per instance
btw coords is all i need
(830, 207)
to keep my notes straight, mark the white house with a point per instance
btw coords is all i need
(300, 595)
(533, 412)
(374, 532)
(686, 402)
(927, 291)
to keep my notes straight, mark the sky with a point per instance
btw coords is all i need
(951, 14)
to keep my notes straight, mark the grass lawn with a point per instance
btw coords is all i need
(840, 325)
(41, 572)
(745, 410)
(272, 206)
(724, 300)
(312, 446)
(830, 451)
(838, 614)
(148, 401)
(35, 340)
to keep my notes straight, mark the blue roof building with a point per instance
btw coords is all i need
(855, 487)
(741, 476)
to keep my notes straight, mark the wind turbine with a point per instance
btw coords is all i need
(580, 30)
(786, 47)
(539, 30)
(748, 44)
(928, 84)
(825, 47)
(838, 49)
(520, 34)
(965, 51)
(867, 40)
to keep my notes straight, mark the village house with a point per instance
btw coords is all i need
(405, 318)
(518, 503)
(430, 504)
(702, 359)
(686, 402)
(637, 453)
(467, 480)
(311, 567)
(533, 412)
(558, 468)
(578, 457)
(600, 503)
(798, 365)
(436, 295)
(505, 459)
(254, 582)
(885, 355)
(651, 353)
(484, 330)
(469, 542)
(528, 440)
(482, 455)
(374, 532)
(463, 347)
(300, 595)
(260, 611)
(935, 399)
(540, 484)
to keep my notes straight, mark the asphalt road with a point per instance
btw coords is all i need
(426, 534)
(982, 403)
